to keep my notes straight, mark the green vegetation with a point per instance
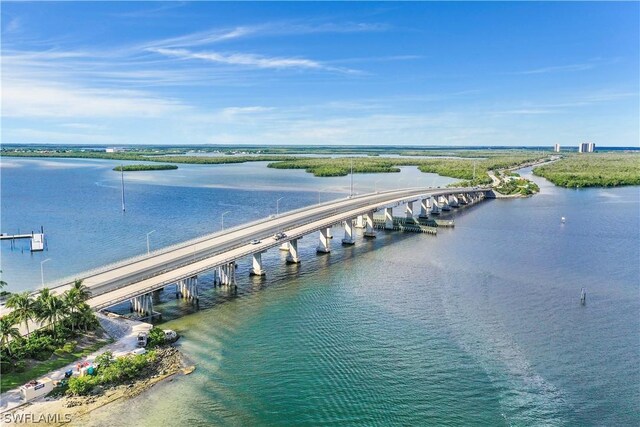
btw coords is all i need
(112, 371)
(593, 170)
(134, 168)
(146, 156)
(21, 374)
(520, 186)
(455, 168)
(65, 316)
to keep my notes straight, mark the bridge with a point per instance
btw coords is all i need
(136, 279)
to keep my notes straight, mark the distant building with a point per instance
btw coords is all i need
(556, 148)
(586, 147)
(114, 150)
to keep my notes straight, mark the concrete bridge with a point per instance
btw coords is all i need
(180, 265)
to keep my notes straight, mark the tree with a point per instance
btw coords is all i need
(86, 317)
(41, 299)
(52, 310)
(83, 292)
(74, 298)
(23, 308)
(2, 282)
(8, 331)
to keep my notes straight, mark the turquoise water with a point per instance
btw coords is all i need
(479, 325)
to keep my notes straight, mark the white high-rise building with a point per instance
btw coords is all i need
(556, 148)
(586, 147)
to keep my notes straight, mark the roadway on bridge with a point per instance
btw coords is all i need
(144, 274)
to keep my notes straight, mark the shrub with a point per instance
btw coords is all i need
(155, 338)
(104, 360)
(5, 366)
(81, 386)
(20, 366)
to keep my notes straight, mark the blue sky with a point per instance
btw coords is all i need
(321, 73)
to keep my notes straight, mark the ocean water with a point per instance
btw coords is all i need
(479, 325)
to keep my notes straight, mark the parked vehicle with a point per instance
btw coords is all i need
(142, 339)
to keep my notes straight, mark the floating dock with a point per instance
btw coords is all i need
(37, 239)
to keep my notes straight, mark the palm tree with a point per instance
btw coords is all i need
(23, 308)
(83, 292)
(8, 331)
(86, 317)
(74, 298)
(52, 310)
(72, 301)
(41, 299)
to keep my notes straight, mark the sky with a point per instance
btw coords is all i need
(321, 73)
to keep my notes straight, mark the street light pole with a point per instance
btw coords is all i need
(351, 178)
(148, 234)
(278, 205)
(223, 214)
(42, 271)
(375, 185)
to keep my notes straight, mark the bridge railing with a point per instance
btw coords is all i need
(83, 275)
(136, 258)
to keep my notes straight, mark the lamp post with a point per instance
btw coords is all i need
(223, 214)
(278, 205)
(351, 195)
(375, 185)
(148, 234)
(42, 271)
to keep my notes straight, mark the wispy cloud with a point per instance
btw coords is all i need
(559, 68)
(271, 29)
(32, 98)
(250, 60)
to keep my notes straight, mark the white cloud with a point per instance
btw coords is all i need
(559, 68)
(249, 60)
(34, 98)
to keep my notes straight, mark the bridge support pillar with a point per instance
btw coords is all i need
(424, 207)
(292, 257)
(228, 273)
(369, 230)
(143, 304)
(409, 210)
(284, 247)
(453, 201)
(329, 235)
(444, 201)
(360, 222)
(256, 269)
(348, 233)
(324, 246)
(388, 218)
(435, 209)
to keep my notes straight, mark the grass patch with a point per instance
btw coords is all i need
(14, 379)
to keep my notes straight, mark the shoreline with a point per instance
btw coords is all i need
(72, 409)
(123, 331)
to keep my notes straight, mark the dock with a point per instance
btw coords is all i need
(36, 243)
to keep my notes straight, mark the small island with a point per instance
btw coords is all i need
(136, 168)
